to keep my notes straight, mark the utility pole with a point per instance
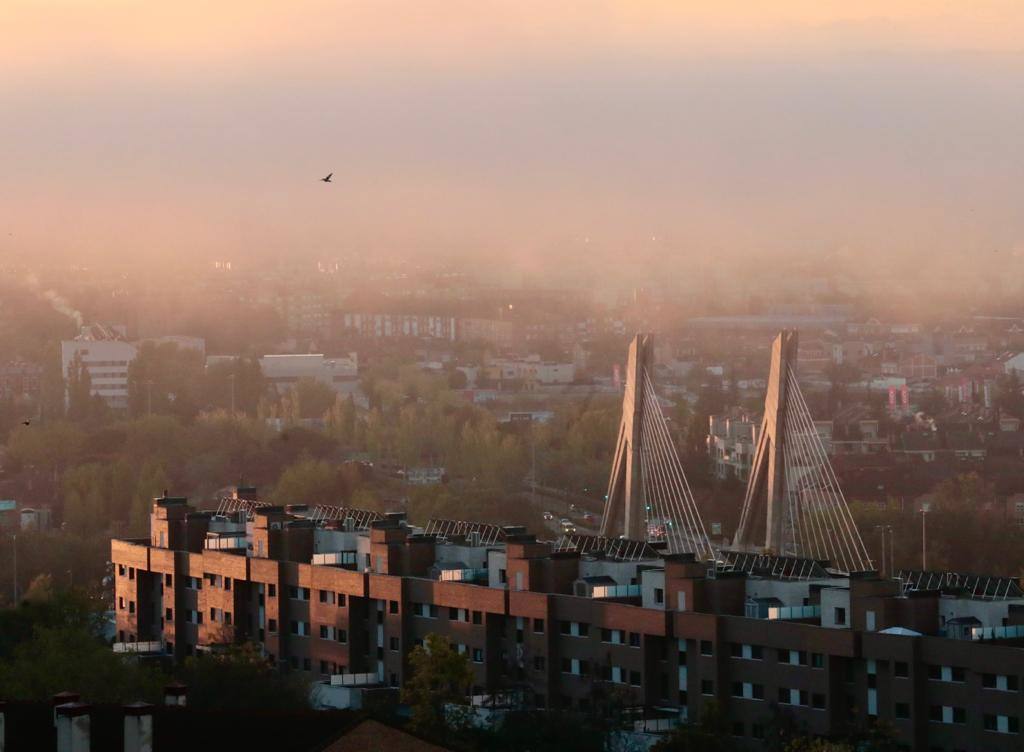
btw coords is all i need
(892, 551)
(533, 471)
(881, 529)
(231, 379)
(925, 508)
(14, 545)
(149, 396)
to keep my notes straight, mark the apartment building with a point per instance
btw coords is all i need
(344, 596)
(105, 356)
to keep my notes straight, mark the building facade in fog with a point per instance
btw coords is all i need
(106, 357)
(344, 598)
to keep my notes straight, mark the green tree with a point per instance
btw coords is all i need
(440, 676)
(63, 648)
(310, 481)
(240, 678)
(312, 398)
(709, 734)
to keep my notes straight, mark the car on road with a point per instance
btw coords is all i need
(549, 516)
(588, 517)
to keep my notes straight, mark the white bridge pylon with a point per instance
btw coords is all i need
(649, 498)
(793, 500)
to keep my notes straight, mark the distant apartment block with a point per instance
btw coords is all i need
(284, 371)
(531, 371)
(20, 380)
(106, 358)
(389, 325)
(731, 442)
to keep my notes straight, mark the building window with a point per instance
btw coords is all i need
(272, 625)
(478, 655)
(817, 660)
(538, 626)
(901, 710)
(839, 615)
(1002, 724)
(342, 600)
(393, 644)
(538, 663)
(342, 635)
(478, 617)
(707, 687)
(659, 595)
(634, 639)
(901, 670)
(392, 607)
(272, 590)
(326, 596)
(706, 648)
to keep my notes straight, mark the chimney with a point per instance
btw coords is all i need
(138, 727)
(62, 698)
(73, 727)
(175, 694)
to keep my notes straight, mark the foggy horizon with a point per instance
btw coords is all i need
(538, 137)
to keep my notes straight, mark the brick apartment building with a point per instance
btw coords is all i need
(937, 655)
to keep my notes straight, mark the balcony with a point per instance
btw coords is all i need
(226, 543)
(616, 591)
(462, 575)
(335, 559)
(139, 648)
(355, 680)
(794, 612)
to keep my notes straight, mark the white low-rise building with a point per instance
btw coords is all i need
(284, 371)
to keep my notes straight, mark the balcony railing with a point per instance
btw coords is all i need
(153, 646)
(794, 612)
(462, 575)
(997, 633)
(354, 680)
(616, 591)
(335, 558)
(226, 542)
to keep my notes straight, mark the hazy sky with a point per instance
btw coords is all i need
(537, 130)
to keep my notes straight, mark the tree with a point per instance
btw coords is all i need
(709, 734)
(440, 676)
(312, 398)
(1009, 398)
(63, 648)
(240, 678)
(310, 481)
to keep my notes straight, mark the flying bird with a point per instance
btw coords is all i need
(327, 179)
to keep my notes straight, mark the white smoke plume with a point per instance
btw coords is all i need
(55, 299)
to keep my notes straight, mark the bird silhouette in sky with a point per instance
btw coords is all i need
(327, 179)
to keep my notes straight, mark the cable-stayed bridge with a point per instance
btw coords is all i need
(793, 506)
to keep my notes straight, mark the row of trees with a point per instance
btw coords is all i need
(53, 641)
(442, 678)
